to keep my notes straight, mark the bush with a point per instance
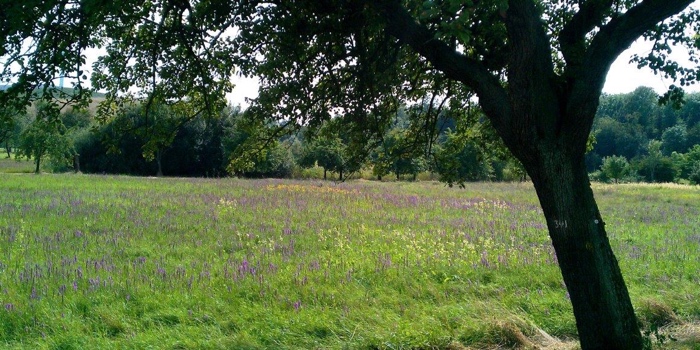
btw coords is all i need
(656, 169)
(614, 168)
(694, 176)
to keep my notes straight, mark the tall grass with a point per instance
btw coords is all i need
(118, 262)
(11, 165)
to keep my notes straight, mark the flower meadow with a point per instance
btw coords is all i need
(106, 262)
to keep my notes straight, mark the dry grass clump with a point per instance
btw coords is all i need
(516, 333)
(688, 333)
(656, 314)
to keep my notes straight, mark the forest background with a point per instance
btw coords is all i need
(634, 139)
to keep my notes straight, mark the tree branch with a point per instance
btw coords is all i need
(572, 38)
(492, 96)
(612, 39)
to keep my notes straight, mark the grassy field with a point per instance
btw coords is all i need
(13, 166)
(105, 262)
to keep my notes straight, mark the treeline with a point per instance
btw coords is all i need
(456, 146)
(634, 139)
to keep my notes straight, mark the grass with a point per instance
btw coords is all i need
(15, 166)
(119, 262)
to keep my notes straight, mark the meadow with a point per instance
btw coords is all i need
(107, 262)
(12, 165)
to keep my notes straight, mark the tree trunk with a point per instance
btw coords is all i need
(38, 165)
(324, 174)
(604, 315)
(340, 175)
(159, 155)
(76, 163)
(8, 149)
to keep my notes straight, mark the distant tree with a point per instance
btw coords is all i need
(674, 139)
(694, 135)
(327, 152)
(614, 138)
(330, 149)
(7, 127)
(694, 175)
(641, 106)
(155, 123)
(685, 162)
(401, 154)
(652, 161)
(615, 168)
(690, 113)
(253, 149)
(46, 136)
(76, 118)
(655, 167)
(460, 159)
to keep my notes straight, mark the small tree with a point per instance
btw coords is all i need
(686, 161)
(674, 139)
(46, 136)
(694, 175)
(7, 125)
(615, 168)
(460, 159)
(326, 152)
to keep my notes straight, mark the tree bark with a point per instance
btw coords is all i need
(603, 310)
(76, 163)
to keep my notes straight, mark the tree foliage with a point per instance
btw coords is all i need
(615, 168)
(46, 136)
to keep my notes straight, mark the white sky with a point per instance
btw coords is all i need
(245, 88)
(624, 77)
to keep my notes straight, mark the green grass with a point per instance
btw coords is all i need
(107, 262)
(14, 166)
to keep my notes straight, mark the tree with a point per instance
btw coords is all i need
(694, 176)
(324, 152)
(685, 162)
(252, 149)
(326, 149)
(7, 127)
(399, 154)
(460, 159)
(655, 167)
(46, 136)
(674, 139)
(537, 68)
(615, 168)
(614, 138)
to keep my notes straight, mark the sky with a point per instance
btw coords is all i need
(624, 77)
